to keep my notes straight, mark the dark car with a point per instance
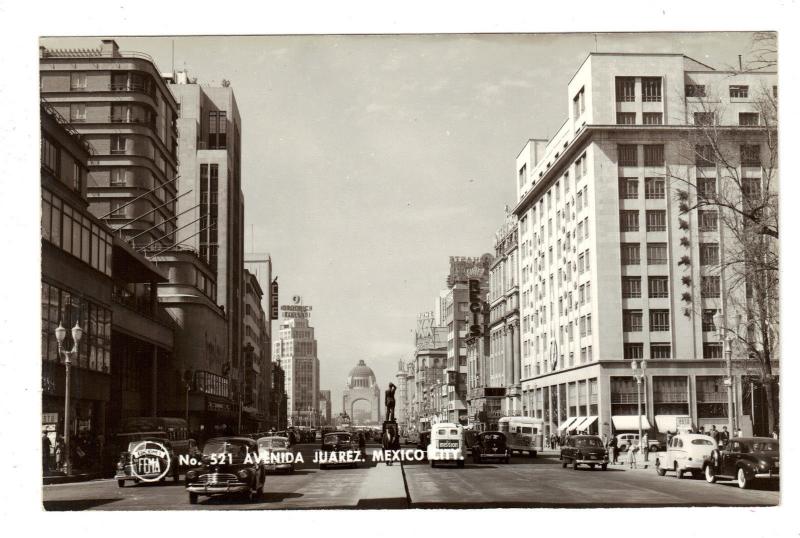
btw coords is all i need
(490, 446)
(470, 438)
(744, 459)
(424, 441)
(339, 448)
(584, 449)
(229, 465)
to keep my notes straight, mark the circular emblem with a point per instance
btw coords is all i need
(150, 461)
(296, 299)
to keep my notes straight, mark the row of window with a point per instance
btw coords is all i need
(657, 252)
(67, 228)
(654, 188)
(628, 154)
(706, 155)
(648, 118)
(626, 89)
(632, 320)
(657, 287)
(656, 220)
(60, 306)
(735, 91)
(51, 161)
(663, 350)
(746, 119)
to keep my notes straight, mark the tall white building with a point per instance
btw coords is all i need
(611, 269)
(296, 349)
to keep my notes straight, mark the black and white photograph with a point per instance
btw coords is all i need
(409, 270)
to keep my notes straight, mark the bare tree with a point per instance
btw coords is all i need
(734, 189)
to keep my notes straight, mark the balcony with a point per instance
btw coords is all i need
(626, 398)
(712, 397)
(132, 87)
(670, 397)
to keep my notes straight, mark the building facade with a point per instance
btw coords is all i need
(612, 268)
(325, 408)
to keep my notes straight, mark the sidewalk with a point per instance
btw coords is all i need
(78, 475)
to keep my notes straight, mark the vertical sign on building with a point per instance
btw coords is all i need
(273, 299)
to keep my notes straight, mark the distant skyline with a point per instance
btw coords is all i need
(368, 160)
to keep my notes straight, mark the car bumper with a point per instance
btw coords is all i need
(123, 475)
(768, 476)
(599, 461)
(492, 455)
(277, 466)
(208, 489)
(692, 465)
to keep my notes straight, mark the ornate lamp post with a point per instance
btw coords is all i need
(639, 371)
(77, 334)
(726, 337)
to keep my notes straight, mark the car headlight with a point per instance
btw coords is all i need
(243, 474)
(191, 475)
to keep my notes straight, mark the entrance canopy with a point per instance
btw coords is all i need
(629, 422)
(584, 426)
(566, 423)
(671, 423)
(574, 425)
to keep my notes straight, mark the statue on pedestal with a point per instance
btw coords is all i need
(389, 402)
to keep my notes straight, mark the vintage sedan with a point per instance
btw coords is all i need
(230, 465)
(584, 450)
(274, 453)
(157, 462)
(339, 448)
(686, 453)
(490, 446)
(744, 459)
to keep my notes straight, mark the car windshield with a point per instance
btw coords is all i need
(453, 432)
(588, 441)
(706, 442)
(146, 445)
(337, 438)
(494, 437)
(237, 447)
(273, 443)
(765, 446)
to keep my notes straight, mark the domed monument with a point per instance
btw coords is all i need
(361, 385)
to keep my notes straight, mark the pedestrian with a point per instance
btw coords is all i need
(60, 451)
(46, 447)
(632, 453)
(645, 447)
(714, 433)
(669, 437)
(724, 436)
(738, 432)
(612, 448)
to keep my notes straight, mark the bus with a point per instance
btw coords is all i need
(175, 429)
(524, 434)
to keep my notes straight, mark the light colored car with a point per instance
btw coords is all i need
(447, 444)
(274, 453)
(627, 440)
(685, 453)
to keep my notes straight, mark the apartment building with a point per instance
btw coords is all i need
(613, 269)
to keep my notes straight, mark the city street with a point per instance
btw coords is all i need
(525, 482)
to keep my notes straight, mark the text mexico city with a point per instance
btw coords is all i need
(320, 457)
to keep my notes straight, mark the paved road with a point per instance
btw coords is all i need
(525, 482)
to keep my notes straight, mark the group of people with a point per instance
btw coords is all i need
(86, 451)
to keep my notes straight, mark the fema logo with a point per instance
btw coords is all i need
(150, 461)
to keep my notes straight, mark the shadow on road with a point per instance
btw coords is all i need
(81, 504)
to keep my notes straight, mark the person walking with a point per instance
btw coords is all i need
(46, 447)
(645, 447)
(724, 436)
(60, 451)
(714, 433)
(633, 451)
(612, 448)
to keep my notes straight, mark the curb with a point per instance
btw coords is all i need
(84, 477)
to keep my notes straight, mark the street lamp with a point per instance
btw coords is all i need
(727, 341)
(77, 334)
(639, 369)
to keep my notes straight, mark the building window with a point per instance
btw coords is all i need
(629, 221)
(631, 287)
(523, 173)
(704, 155)
(652, 118)
(704, 119)
(707, 220)
(632, 321)
(628, 188)
(739, 92)
(708, 320)
(627, 155)
(750, 154)
(657, 287)
(119, 177)
(656, 220)
(626, 89)
(748, 119)
(709, 253)
(578, 104)
(77, 81)
(660, 351)
(119, 145)
(77, 176)
(654, 155)
(77, 112)
(654, 188)
(117, 209)
(659, 320)
(51, 156)
(633, 351)
(712, 350)
(656, 253)
(630, 254)
(217, 129)
(626, 118)
(651, 89)
(695, 90)
(707, 187)
(709, 286)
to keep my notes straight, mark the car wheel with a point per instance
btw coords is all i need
(678, 471)
(507, 460)
(460, 464)
(291, 468)
(604, 466)
(574, 465)
(433, 464)
(563, 463)
(591, 466)
(192, 498)
(121, 483)
(711, 477)
(741, 479)
(659, 469)
(323, 466)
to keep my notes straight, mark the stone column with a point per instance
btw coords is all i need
(515, 340)
(508, 355)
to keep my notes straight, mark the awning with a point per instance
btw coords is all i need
(575, 424)
(629, 422)
(584, 426)
(566, 423)
(668, 423)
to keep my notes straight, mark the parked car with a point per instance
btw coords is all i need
(686, 453)
(490, 446)
(150, 468)
(626, 440)
(447, 444)
(340, 448)
(584, 449)
(470, 438)
(230, 465)
(274, 453)
(744, 459)
(424, 441)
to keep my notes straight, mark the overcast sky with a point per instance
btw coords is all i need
(368, 160)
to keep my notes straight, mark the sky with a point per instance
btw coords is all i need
(368, 160)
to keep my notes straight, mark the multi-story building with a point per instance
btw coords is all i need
(325, 408)
(257, 374)
(428, 367)
(613, 269)
(503, 368)
(401, 395)
(296, 349)
(210, 207)
(278, 401)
